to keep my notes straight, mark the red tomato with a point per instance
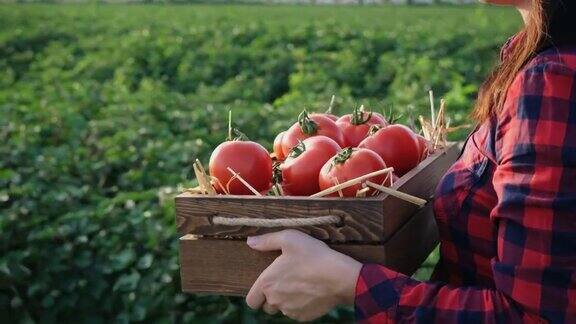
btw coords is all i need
(397, 145)
(308, 126)
(356, 126)
(249, 159)
(349, 164)
(423, 144)
(302, 166)
(278, 146)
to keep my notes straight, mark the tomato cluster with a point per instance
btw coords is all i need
(317, 152)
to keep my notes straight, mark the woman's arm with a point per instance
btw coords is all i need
(535, 181)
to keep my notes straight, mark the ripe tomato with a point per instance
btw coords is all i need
(349, 164)
(302, 166)
(397, 145)
(278, 146)
(356, 126)
(249, 159)
(308, 126)
(423, 145)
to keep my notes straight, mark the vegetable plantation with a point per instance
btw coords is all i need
(103, 108)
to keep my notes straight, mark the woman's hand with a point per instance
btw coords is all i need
(306, 281)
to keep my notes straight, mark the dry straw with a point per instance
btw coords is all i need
(205, 186)
(436, 129)
(350, 183)
(398, 194)
(244, 182)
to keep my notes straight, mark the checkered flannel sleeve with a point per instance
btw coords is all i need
(534, 267)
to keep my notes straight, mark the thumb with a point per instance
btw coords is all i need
(269, 242)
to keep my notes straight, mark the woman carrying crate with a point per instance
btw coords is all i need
(506, 210)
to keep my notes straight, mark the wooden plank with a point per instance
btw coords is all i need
(362, 219)
(420, 182)
(409, 247)
(230, 267)
(368, 220)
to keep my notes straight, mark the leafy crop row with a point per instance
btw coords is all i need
(102, 109)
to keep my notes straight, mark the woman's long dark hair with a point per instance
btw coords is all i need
(552, 23)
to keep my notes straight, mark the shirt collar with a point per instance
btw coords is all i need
(506, 50)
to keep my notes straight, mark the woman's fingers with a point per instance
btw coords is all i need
(282, 240)
(306, 263)
(255, 298)
(267, 242)
(269, 309)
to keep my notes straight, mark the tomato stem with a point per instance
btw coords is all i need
(329, 110)
(229, 125)
(392, 117)
(307, 125)
(234, 131)
(298, 149)
(276, 173)
(343, 156)
(358, 116)
(373, 129)
(239, 135)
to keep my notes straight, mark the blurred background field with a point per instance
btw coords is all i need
(103, 108)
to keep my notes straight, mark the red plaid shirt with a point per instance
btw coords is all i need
(506, 212)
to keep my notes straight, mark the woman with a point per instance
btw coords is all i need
(506, 210)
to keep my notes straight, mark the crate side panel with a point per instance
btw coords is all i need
(223, 267)
(420, 182)
(362, 219)
(230, 267)
(413, 242)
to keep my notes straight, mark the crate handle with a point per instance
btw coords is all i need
(276, 222)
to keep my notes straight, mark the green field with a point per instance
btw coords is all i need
(103, 107)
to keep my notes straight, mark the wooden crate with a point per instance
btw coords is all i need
(383, 229)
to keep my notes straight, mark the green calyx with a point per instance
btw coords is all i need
(307, 125)
(234, 131)
(276, 173)
(239, 136)
(373, 129)
(297, 150)
(343, 156)
(393, 117)
(358, 116)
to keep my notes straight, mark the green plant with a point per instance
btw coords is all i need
(103, 108)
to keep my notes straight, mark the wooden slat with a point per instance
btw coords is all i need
(361, 219)
(230, 267)
(368, 220)
(420, 182)
(412, 243)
